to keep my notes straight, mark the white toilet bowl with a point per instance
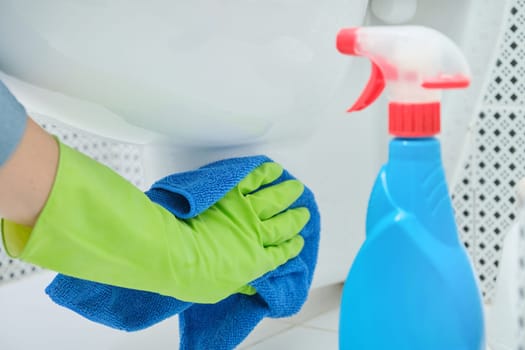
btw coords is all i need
(200, 73)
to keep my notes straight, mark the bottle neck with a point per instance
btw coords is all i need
(408, 149)
(411, 161)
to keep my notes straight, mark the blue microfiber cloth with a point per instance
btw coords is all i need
(220, 326)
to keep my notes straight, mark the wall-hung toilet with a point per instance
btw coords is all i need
(204, 73)
(192, 82)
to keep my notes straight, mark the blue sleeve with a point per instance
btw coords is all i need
(13, 121)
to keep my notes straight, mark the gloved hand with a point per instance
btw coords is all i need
(99, 227)
(244, 233)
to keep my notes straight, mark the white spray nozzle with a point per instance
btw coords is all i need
(415, 63)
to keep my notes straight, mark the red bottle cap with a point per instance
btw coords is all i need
(414, 120)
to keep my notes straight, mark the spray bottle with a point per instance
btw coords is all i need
(412, 285)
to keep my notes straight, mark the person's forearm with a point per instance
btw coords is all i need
(27, 176)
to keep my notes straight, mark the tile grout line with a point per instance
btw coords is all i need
(330, 330)
(281, 331)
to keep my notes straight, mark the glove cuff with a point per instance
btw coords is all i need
(97, 226)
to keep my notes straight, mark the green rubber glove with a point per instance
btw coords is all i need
(97, 226)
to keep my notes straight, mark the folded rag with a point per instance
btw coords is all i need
(220, 326)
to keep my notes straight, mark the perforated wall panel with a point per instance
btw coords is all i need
(493, 162)
(124, 158)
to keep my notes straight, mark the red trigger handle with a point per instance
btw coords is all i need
(373, 89)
